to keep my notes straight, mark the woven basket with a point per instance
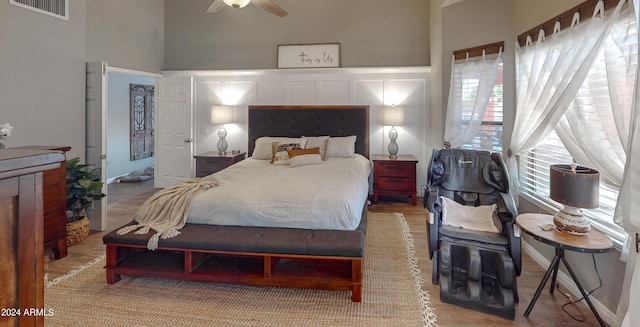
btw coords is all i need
(77, 231)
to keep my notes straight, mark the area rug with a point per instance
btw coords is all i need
(392, 294)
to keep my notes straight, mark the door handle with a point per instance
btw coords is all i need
(187, 141)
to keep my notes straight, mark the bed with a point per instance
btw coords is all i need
(237, 246)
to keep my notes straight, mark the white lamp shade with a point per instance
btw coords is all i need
(221, 115)
(393, 116)
(237, 3)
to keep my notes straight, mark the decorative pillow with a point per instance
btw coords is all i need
(320, 142)
(298, 152)
(341, 147)
(263, 146)
(279, 150)
(481, 218)
(304, 160)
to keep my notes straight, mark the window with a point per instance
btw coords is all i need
(489, 136)
(534, 184)
(602, 105)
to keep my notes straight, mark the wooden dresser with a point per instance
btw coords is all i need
(21, 233)
(394, 176)
(211, 162)
(55, 203)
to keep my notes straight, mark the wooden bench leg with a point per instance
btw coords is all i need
(112, 259)
(356, 279)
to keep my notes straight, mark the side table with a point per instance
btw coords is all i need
(592, 242)
(394, 176)
(212, 162)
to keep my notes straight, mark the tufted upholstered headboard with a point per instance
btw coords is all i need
(297, 121)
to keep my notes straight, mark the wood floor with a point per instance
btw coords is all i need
(124, 198)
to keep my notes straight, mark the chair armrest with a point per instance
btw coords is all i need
(515, 246)
(510, 203)
(431, 202)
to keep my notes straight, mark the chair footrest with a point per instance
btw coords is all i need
(478, 277)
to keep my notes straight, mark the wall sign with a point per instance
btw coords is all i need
(309, 55)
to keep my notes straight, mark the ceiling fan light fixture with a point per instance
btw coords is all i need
(237, 3)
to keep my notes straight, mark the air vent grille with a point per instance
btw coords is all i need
(55, 8)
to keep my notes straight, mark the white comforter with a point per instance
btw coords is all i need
(254, 192)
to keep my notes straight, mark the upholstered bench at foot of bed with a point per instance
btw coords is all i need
(323, 259)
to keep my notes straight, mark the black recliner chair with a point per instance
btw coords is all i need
(475, 269)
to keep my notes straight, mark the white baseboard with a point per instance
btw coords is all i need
(565, 280)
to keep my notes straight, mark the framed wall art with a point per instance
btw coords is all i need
(309, 55)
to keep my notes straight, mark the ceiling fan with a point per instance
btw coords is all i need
(264, 4)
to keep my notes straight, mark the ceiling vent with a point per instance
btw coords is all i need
(55, 8)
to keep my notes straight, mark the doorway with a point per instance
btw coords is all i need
(99, 126)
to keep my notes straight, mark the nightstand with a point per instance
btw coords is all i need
(394, 176)
(211, 162)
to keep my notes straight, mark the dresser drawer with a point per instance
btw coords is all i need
(396, 184)
(395, 169)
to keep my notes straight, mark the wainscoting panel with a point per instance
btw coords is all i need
(302, 92)
(271, 92)
(335, 92)
(376, 87)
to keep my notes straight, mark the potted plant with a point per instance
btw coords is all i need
(83, 187)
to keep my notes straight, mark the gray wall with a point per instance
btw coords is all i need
(126, 34)
(371, 33)
(42, 59)
(118, 136)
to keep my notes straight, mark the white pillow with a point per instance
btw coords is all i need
(481, 218)
(263, 148)
(280, 155)
(341, 147)
(318, 142)
(304, 160)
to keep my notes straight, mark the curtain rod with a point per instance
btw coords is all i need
(586, 12)
(477, 51)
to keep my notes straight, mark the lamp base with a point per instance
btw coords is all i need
(393, 145)
(571, 220)
(222, 143)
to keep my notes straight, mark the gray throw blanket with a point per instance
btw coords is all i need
(166, 211)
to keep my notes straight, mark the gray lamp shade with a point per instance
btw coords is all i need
(221, 115)
(579, 188)
(393, 116)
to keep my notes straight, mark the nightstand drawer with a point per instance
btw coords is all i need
(395, 169)
(213, 162)
(207, 166)
(396, 184)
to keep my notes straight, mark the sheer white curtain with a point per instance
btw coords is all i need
(472, 83)
(548, 76)
(628, 208)
(595, 127)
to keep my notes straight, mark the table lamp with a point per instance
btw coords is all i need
(221, 115)
(393, 116)
(575, 187)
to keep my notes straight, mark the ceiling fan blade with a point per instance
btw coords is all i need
(270, 7)
(216, 6)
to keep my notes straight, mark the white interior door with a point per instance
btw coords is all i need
(174, 131)
(95, 151)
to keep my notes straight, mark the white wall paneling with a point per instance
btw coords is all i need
(376, 87)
